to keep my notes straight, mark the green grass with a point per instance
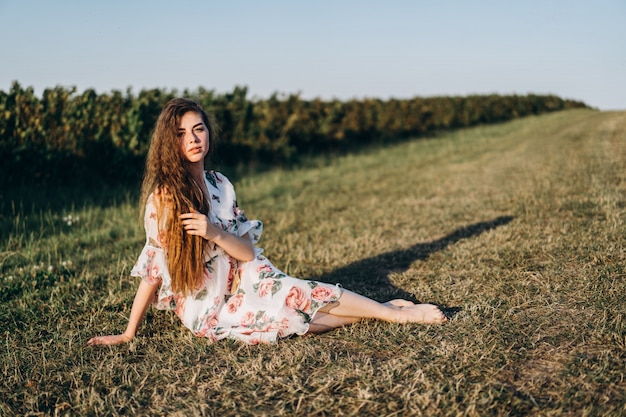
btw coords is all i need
(519, 228)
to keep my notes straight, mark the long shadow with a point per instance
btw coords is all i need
(370, 276)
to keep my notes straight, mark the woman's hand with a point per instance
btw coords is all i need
(115, 339)
(199, 225)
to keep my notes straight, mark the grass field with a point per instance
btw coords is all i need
(517, 229)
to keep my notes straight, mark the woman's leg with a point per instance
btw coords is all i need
(324, 322)
(352, 307)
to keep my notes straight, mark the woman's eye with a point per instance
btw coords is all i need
(199, 129)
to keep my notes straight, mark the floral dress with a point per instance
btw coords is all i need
(250, 301)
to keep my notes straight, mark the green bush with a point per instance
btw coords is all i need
(63, 135)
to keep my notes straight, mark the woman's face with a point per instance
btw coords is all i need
(193, 135)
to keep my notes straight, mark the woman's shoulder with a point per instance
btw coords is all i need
(217, 179)
(160, 196)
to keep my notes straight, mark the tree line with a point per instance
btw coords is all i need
(64, 135)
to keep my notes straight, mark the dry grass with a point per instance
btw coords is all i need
(518, 228)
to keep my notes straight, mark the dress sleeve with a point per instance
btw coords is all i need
(151, 265)
(230, 215)
(253, 228)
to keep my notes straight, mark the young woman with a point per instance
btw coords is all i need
(200, 260)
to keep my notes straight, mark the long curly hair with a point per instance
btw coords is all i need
(175, 191)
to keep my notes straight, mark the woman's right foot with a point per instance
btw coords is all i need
(420, 313)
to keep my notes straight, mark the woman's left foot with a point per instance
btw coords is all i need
(421, 313)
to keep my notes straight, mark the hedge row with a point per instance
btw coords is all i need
(64, 135)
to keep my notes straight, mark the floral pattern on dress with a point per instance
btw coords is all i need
(253, 302)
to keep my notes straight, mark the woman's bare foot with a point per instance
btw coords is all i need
(409, 312)
(420, 313)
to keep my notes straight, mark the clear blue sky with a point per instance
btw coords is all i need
(321, 48)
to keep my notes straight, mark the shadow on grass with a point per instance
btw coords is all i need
(34, 207)
(370, 276)
(24, 200)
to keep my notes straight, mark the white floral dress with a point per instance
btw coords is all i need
(250, 301)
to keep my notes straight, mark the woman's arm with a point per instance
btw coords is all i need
(144, 296)
(198, 224)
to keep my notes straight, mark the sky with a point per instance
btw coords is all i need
(321, 48)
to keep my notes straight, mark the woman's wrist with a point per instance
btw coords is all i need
(214, 234)
(221, 236)
(238, 247)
